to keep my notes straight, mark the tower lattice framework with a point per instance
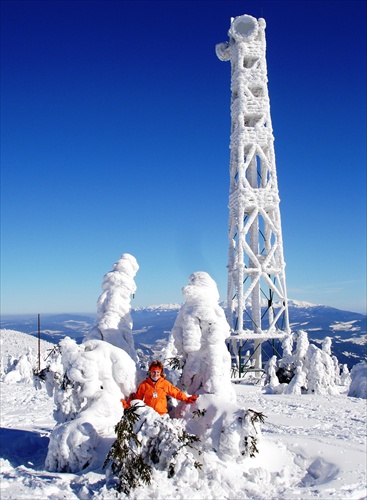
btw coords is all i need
(257, 298)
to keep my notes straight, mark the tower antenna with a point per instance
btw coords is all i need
(257, 304)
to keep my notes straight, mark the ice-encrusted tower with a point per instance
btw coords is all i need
(257, 296)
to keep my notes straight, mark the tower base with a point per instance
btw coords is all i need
(247, 349)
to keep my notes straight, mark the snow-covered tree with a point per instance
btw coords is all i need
(114, 322)
(198, 340)
(326, 345)
(345, 377)
(302, 346)
(308, 369)
(223, 427)
(181, 448)
(358, 385)
(286, 363)
(20, 370)
(321, 372)
(87, 382)
(146, 441)
(298, 382)
(271, 377)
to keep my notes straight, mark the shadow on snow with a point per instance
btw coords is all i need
(22, 447)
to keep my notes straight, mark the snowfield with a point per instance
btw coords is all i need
(348, 325)
(312, 446)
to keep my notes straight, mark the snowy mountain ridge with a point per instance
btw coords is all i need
(295, 303)
(302, 304)
(152, 324)
(159, 307)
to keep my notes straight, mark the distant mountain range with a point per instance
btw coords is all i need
(151, 327)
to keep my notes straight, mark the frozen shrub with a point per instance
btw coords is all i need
(307, 369)
(145, 441)
(358, 385)
(271, 376)
(224, 427)
(298, 383)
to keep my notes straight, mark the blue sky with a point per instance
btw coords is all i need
(115, 130)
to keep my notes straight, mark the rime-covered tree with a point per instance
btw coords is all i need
(271, 377)
(198, 339)
(308, 369)
(87, 382)
(114, 322)
(299, 380)
(345, 377)
(358, 385)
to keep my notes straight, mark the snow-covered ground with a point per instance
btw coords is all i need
(13, 344)
(311, 447)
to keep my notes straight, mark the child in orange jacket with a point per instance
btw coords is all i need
(154, 389)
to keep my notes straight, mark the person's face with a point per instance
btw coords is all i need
(155, 373)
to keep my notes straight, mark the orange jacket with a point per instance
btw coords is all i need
(162, 388)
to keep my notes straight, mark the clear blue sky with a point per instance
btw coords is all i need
(115, 130)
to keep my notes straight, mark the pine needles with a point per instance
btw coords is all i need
(126, 463)
(251, 440)
(135, 453)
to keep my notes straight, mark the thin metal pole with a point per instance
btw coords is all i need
(39, 342)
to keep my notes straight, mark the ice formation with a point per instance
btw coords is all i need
(87, 382)
(114, 323)
(198, 340)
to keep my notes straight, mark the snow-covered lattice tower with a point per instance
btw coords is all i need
(257, 297)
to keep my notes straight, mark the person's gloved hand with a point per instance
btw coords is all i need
(125, 404)
(192, 398)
